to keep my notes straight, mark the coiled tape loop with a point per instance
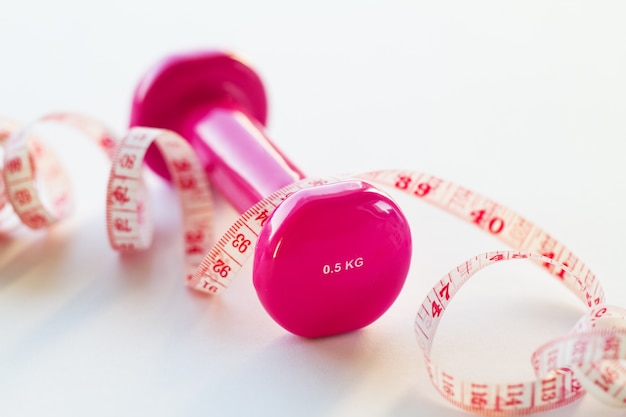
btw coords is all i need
(589, 358)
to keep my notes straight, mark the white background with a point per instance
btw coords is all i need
(521, 101)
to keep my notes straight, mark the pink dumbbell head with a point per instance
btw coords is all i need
(329, 259)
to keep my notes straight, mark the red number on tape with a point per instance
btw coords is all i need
(587, 359)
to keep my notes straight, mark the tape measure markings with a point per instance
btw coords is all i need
(22, 185)
(7, 127)
(564, 366)
(8, 218)
(104, 138)
(501, 222)
(585, 360)
(36, 184)
(128, 218)
(464, 203)
(556, 387)
(237, 244)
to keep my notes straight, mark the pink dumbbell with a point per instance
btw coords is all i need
(329, 259)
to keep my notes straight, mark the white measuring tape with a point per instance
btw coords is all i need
(34, 184)
(127, 209)
(7, 127)
(589, 358)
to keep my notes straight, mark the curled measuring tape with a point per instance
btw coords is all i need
(587, 359)
(128, 219)
(213, 107)
(302, 231)
(6, 128)
(36, 191)
(34, 185)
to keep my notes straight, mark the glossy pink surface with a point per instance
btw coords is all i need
(218, 103)
(332, 259)
(242, 162)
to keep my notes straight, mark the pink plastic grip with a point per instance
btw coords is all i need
(331, 259)
(218, 103)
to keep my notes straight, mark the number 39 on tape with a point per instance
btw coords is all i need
(588, 359)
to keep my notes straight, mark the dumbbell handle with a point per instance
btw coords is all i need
(241, 162)
(218, 103)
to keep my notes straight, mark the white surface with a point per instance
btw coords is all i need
(521, 101)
